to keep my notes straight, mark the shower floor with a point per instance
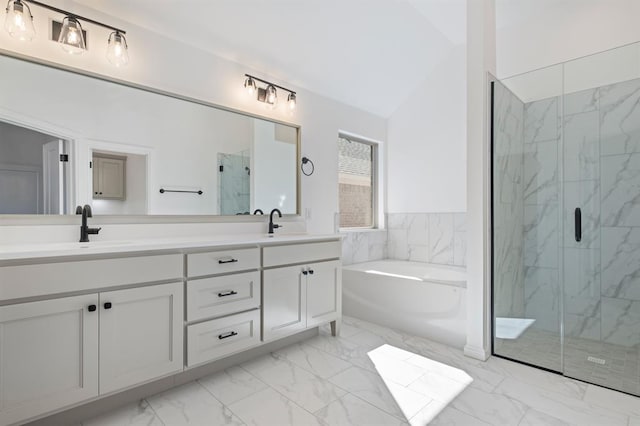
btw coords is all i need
(582, 358)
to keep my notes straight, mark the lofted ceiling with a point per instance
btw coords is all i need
(370, 54)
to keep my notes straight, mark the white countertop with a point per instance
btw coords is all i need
(72, 249)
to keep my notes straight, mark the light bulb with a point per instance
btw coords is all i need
(272, 97)
(17, 24)
(117, 49)
(250, 85)
(291, 101)
(71, 36)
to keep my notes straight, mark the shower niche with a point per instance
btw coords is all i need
(566, 218)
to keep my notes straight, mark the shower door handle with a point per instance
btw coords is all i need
(578, 224)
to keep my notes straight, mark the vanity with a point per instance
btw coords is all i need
(81, 322)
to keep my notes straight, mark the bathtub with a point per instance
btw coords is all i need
(418, 298)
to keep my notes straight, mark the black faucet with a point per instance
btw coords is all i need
(272, 225)
(85, 231)
(258, 211)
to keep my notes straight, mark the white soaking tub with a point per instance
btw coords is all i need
(419, 298)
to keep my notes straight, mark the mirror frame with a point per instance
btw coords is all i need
(68, 219)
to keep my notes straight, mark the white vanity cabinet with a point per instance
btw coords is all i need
(48, 355)
(141, 335)
(304, 295)
(64, 350)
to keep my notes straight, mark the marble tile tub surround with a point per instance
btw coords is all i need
(332, 381)
(363, 246)
(428, 237)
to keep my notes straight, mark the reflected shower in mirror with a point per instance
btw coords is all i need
(121, 145)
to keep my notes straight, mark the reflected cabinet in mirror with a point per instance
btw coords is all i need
(68, 139)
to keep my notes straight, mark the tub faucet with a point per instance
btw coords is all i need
(85, 231)
(272, 225)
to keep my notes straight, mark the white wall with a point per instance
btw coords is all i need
(537, 33)
(169, 65)
(427, 143)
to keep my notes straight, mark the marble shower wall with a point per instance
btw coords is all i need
(428, 237)
(541, 222)
(602, 148)
(508, 203)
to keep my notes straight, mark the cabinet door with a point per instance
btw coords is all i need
(324, 292)
(48, 356)
(141, 335)
(284, 302)
(110, 173)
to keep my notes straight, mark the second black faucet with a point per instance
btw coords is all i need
(272, 225)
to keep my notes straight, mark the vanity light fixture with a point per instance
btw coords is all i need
(19, 24)
(269, 94)
(71, 36)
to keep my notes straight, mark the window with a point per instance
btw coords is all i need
(357, 183)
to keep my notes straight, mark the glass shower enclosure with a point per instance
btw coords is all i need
(566, 218)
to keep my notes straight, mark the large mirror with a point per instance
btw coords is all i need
(68, 139)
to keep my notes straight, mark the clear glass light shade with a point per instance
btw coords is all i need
(272, 96)
(250, 85)
(117, 49)
(71, 36)
(291, 101)
(19, 21)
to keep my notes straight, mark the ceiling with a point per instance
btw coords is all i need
(370, 54)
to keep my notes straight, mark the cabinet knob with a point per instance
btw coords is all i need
(91, 308)
(96, 193)
(107, 305)
(311, 271)
(305, 272)
(101, 193)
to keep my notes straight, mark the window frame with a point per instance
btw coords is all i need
(375, 183)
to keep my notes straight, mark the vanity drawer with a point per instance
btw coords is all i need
(301, 253)
(219, 296)
(24, 281)
(220, 262)
(218, 338)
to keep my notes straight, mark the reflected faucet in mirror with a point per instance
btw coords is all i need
(85, 231)
(256, 211)
(272, 225)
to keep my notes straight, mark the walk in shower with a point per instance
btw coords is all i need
(566, 218)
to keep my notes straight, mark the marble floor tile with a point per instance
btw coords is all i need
(385, 377)
(305, 389)
(489, 407)
(191, 404)
(351, 410)
(613, 400)
(314, 360)
(269, 408)
(570, 410)
(136, 414)
(232, 384)
(536, 418)
(453, 417)
(396, 400)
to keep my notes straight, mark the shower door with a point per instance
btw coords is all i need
(602, 212)
(566, 218)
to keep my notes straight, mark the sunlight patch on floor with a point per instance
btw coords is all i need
(420, 386)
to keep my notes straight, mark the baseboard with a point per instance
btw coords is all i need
(476, 352)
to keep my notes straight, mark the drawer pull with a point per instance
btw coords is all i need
(222, 262)
(227, 293)
(225, 335)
